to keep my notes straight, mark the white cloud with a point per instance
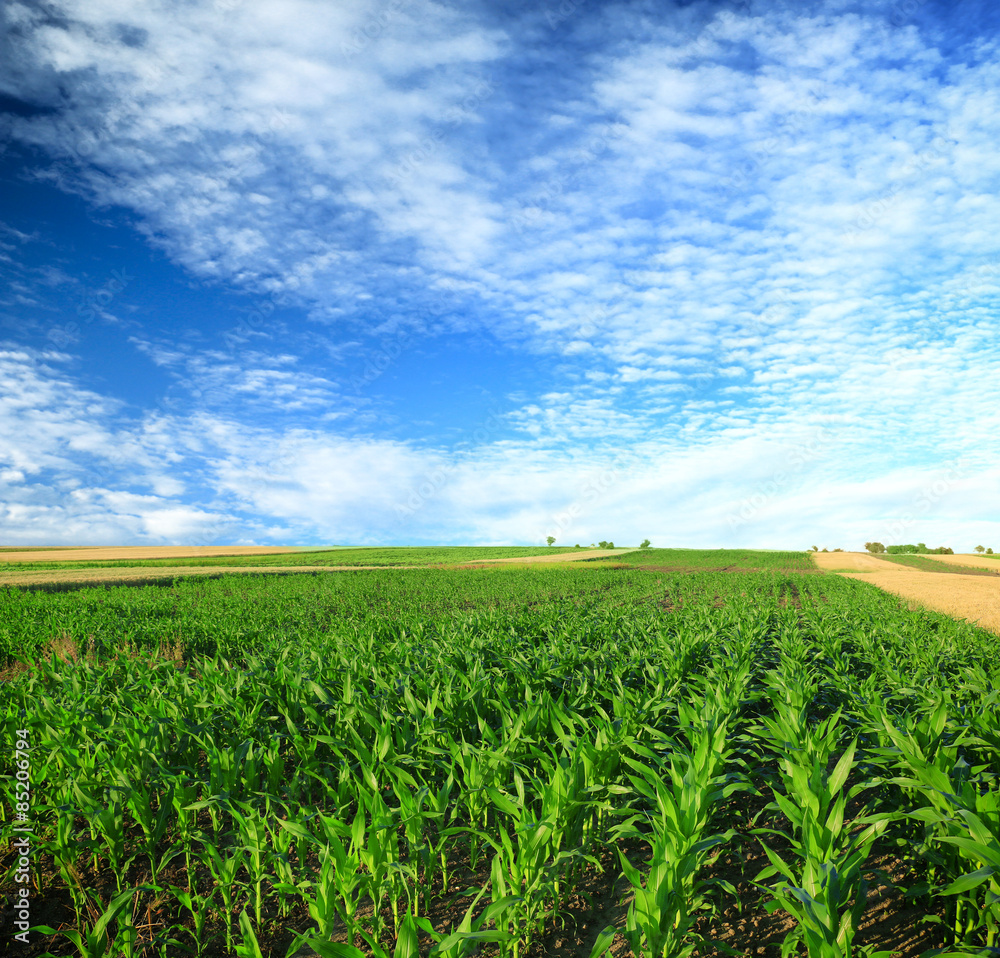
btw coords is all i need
(720, 257)
(246, 484)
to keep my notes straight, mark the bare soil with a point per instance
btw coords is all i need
(600, 897)
(971, 596)
(848, 562)
(581, 555)
(974, 598)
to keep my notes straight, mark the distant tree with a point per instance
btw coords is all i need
(611, 545)
(980, 549)
(644, 544)
(550, 539)
(875, 547)
(989, 552)
(815, 548)
(603, 544)
(577, 546)
(838, 550)
(921, 547)
(825, 549)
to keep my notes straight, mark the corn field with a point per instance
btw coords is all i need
(513, 762)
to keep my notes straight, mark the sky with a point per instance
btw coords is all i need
(409, 272)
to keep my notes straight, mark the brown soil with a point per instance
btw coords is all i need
(601, 896)
(969, 595)
(582, 554)
(848, 562)
(974, 598)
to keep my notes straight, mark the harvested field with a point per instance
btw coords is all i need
(848, 562)
(975, 598)
(112, 553)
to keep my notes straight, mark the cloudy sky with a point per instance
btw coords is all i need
(293, 271)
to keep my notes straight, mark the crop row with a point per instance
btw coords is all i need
(436, 762)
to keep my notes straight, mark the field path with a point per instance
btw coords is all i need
(975, 598)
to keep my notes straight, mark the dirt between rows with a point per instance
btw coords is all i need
(973, 597)
(601, 896)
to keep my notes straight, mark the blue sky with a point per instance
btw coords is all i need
(719, 274)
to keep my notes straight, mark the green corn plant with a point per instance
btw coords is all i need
(152, 815)
(509, 915)
(225, 868)
(225, 770)
(960, 818)
(982, 845)
(215, 805)
(183, 801)
(340, 885)
(828, 873)
(667, 904)
(281, 840)
(440, 802)
(377, 848)
(199, 907)
(248, 946)
(99, 942)
(253, 832)
(525, 872)
(468, 938)
(109, 822)
(407, 943)
(66, 848)
(416, 819)
(478, 772)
